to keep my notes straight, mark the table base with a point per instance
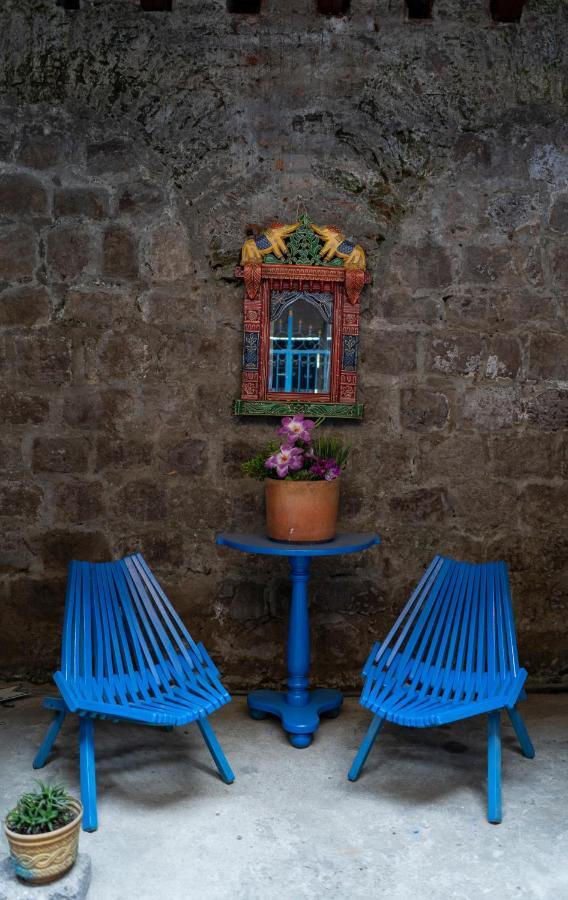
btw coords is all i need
(300, 722)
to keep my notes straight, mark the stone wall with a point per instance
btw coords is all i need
(136, 149)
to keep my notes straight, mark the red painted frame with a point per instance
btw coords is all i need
(328, 279)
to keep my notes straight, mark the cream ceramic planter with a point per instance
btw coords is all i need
(39, 858)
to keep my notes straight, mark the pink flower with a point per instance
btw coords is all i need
(296, 428)
(288, 459)
(326, 469)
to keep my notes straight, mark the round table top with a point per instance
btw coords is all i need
(260, 543)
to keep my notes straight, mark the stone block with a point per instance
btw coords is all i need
(480, 507)
(168, 257)
(99, 308)
(170, 307)
(559, 215)
(186, 456)
(492, 408)
(60, 454)
(15, 553)
(59, 546)
(452, 458)
(161, 550)
(418, 310)
(503, 357)
(139, 198)
(544, 506)
(77, 502)
(512, 265)
(426, 505)
(74, 885)
(69, 251)
(454, 353)
(124, 356)
(22, 195)
(521, 455)
(548, 409)
(38, 150)
(143, 500)
(548, 355)
(21, 408)
(388, 352)
(120, 258)
(17, 252)
(88, 203)
(43, 357)
(420, 267)
(422, 409)
(91, 408)
(19, 498)
(109, 157)
(23, 306)
(128, 453)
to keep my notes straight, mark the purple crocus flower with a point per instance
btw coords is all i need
(288, 459)
(326, 469)
(296, 428)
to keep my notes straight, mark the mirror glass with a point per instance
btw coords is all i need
(300, 342)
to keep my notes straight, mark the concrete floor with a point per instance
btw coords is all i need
(291, 826)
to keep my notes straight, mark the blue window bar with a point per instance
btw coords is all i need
(300, 342)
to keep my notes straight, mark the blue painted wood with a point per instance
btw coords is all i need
(88, 774)
(527, 748)
(49, 740)
(216, 751)
(494, 767)
(127, 656)
(451, 654)
(299, 709)
(365, 748)
(259, 543)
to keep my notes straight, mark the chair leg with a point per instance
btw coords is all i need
(216, 752)
(365, 748)
(527, 748)
(88, 776)
(49, 739)
(494, 767)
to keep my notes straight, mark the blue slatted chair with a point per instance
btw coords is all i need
(127, 656)
(451, 654)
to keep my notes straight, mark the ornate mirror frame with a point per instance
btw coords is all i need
(301, 258)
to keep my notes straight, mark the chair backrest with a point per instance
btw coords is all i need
(459, 622)
(118, 623)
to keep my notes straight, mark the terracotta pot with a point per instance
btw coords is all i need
(301, 511)
(40, 858)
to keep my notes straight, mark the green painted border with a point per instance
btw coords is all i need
(292, 407)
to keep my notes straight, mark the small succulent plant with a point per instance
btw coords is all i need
(40, 811)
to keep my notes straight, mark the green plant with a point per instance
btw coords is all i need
(300, 457)
(38, 812)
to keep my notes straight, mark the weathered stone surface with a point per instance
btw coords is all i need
(21, 195)
(549, 357)
(17, 252)
(455, 354)
(68, 251)
(187, 456)
(423, 410)
(26, 305)
(43, 357)
(19, 408)
(60, 454)
(119, 254)
(127, 190)
(74, 885)
(168, 256)
(79, 501)
(19, 499)
(80, 202)
(388, 353)
(491, 408)
(548, 409)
